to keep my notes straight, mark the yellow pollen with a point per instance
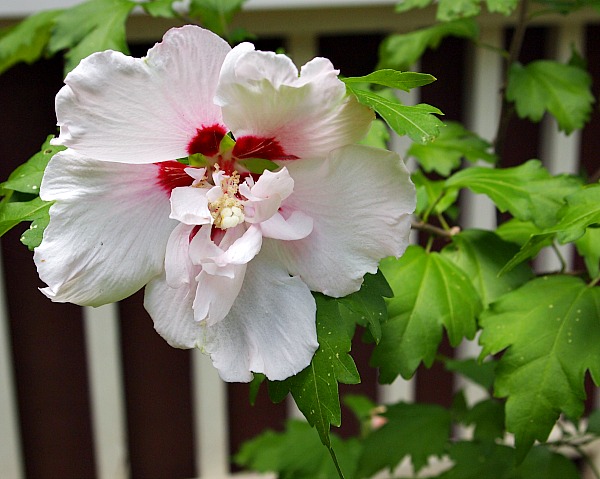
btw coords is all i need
(228, 210)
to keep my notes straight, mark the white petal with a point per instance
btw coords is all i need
(172, 313)
(237, 247)
(143, 110)
(178, 265)
(190, 205)
(297, 226)
(266, 195)
(108, 229)
(360, 200)
(263, 97)
(216, 294)
(270, 328)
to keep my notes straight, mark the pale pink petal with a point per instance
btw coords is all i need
(143, 110)
(189, 205)
(360, 200)
(266, 195)
(265, 102)
(297, 226)
(239, 245)
(172, 313)
(216, 294)
(270, 328)
(178, 266)
(108, 230)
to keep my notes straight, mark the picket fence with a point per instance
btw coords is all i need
(96, 393)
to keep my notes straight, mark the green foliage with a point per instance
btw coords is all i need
(430, 293)
(401, 51)
(445, 153)
(432, 195)
(378, 135)
(394, 79)
(297, 453)
(448, 10)
(481, 255)
(543, 85)
(549, 328)
(481, 373)
(159, 8)
(26, 42)
(315, 389)
(417, 122)
(529, 192)
(20, 200)
(402, 436)
(215, 15)
(93, 26)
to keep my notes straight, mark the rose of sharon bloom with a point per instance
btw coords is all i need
(229, 257)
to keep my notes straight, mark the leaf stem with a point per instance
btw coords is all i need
(563, 263)
(435, 230)
(335, 462)
(513, 56)
(594, 282)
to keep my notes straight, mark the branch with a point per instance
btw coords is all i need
(429, 228)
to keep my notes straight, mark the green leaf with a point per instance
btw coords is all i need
(93, 26)
(369, 304)
(257, 380)
(406, 5)
(416, 121)
(394, 79)
(481, 373)
(581, 211)
(430, 292)
(517, 231)
(258, 165)
(361, 406)
(505, 7)
(593, 425)
(545, 85)
(215, 15)
(488, 460)
(401, 51)
(14, 212)
(550, 332)
(474, 460)
(33, 236)
(528, 191)
(432, 195)
(482, 254)
(315, 389)
(404, 435)
(27, 177)
(488, 418)
(26, 42)
(588, 246)
(377, 136)
(159, 8)
(296, 453)
(445, 153)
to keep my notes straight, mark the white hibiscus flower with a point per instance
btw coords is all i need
(228, 257)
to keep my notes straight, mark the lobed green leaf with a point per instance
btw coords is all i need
(394, 79)
(403, 435)
(315, 389)
(401, 51)
(418, 122)
(215, 15)
(432, 195)
(445, 153)
(549, 332)
(93, 26)
(481, 255)
(544, 85)
(159, 8)
(528, 191)
(26, 42)
(452, 9)
(430, 293)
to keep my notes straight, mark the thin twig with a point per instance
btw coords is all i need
(513, 56)
(429, 228)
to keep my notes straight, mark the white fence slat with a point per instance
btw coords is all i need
(11, 457)
(211, 419)
(560, 152)
(106, 391)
